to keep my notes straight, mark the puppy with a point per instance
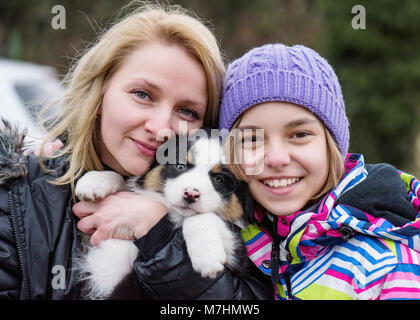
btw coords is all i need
(202, 197)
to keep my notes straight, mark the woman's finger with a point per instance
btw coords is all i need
(99, 235)
(84, 208)
(49, 148)
(56, 145)
(87, 224)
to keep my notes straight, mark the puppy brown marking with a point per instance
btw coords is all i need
(153, 180)
(233, 209)
(217, 168)
(190, 157)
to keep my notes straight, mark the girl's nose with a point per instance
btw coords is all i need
(276, 156)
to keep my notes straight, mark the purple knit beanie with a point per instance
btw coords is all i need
(276, 72)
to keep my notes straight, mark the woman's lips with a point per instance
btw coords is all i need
(145, 148)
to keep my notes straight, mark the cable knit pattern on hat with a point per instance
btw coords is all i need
(276, 72)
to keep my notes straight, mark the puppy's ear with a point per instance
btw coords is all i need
(246, 201)
(149, 181)
(153, 179)
(233, 210)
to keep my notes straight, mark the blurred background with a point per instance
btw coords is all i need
(378, 65)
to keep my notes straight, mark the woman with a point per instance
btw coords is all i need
(155, 72)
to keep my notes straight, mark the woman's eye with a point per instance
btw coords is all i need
(189, 113)
(142, 95)
(180, 167)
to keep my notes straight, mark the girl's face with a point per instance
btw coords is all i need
(156, 88)
(289, 158)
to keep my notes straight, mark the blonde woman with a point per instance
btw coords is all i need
(152, 71)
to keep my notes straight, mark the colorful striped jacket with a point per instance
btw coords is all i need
(339, 251)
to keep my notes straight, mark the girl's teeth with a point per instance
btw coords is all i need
(275, 183)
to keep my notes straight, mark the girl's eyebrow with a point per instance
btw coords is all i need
(242, 127)
(291, 124)
(299, 122)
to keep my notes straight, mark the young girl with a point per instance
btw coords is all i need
(327, 226)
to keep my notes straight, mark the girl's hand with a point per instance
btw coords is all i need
(122, 215)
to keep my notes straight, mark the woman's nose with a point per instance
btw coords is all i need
(276, 156)
(159, 123)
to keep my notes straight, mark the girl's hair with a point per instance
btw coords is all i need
(335, 159)
(78, 124)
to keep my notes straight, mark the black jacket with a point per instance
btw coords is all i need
(39, 239)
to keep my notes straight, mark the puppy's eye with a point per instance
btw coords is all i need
(180, 167)
(227, 179)
(218, 179)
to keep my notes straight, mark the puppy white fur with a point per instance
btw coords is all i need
(210, 243)
(102, 267)
(95, 185)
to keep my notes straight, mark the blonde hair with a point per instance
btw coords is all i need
(86, 80)
(335, 159)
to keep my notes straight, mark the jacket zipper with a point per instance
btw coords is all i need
(275, 253)
(275, 258)
(13, 219)
(288, 285)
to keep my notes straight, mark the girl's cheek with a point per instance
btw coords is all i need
(252, 161)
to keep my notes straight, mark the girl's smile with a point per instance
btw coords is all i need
(291, 165)
(280, 185)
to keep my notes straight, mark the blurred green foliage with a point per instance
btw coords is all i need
(379, 67)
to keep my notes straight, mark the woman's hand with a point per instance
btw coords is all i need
(49, 148)
(122, 215)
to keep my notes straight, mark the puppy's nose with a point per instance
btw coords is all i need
(191, 195)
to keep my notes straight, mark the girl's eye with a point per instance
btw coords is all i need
(142, 95)
(301, 134)
(251, 141)
(180, 167)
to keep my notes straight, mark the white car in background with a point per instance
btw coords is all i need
(25, 88)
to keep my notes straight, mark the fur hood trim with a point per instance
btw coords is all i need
(13, 162)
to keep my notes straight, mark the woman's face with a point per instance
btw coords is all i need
(159, 88)
(287, 162)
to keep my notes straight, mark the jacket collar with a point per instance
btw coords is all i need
(13, 162)
(312, 231)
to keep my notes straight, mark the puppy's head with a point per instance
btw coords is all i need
(197, 180)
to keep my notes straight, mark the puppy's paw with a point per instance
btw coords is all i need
(208, 265)
(95, 185)
(208, 260)
(203, 234)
